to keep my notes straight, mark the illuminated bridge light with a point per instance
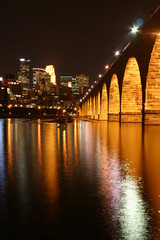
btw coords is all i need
(134, 29)
(107, 66)
(117, 53)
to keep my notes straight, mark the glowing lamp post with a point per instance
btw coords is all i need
(106, 67)
(134, 30)
(117, 53)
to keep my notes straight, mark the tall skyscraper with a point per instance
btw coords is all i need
(41, 79)
(24, 73)
(75, 87)
(50, 69)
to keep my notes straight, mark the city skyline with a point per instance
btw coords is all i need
(75, 38)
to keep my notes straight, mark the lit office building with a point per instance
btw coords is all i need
(41, 79)
(75, 87)
(14, 88)
(4, 96)
(66, 81)
(65, 90)
(83, 82)
(50, 70)
(23, 74)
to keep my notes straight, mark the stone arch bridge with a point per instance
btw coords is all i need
(129, 91)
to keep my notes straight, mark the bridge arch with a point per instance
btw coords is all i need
(152, 99)
(104, 103)
(114, 99)
(131, 102)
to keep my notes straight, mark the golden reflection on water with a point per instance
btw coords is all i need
(76, 128)
(133, 213)
(132, 147)
(152, 168)
(9, 146)
(49, 151)
(122, 158)
(39, 143)
(121, 168)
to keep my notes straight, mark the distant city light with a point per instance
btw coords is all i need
(95, 81)
(100, 75)
(1, 79)
(22, 59)
(69, 84)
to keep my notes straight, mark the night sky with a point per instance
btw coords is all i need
(74, 36)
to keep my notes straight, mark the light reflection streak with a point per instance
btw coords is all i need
(76, 140)
(110, 171)
(2, 163)
(49, 153)
(9, 146)
(69, 148)
(122, 193)
(133, 214)
(39, 143)
(64, 148)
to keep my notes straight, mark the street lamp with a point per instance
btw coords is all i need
(134, 29)
(106, 67)
(117, 53)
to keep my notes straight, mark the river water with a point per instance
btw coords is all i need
(85, 180)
